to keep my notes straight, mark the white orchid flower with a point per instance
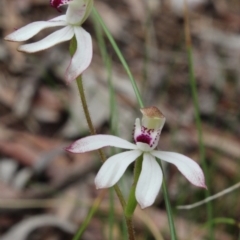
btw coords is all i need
(76, 14)
(146, 137)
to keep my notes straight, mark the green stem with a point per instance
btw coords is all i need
(138, 96)
(111, 213)
(223, 220)
(120, 56)
(92, 131)
(169, 211)
(85, 107)
(200, 137)
(168, 205)
(107, 63)
(197, 116)
(132, 202)
(87, 220)
(131, 234)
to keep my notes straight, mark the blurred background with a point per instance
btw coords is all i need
(46, 193)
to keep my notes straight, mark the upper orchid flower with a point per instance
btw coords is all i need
(146, 137)
(77, 12)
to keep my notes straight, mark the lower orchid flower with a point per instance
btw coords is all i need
(77, 12)
(146, 137)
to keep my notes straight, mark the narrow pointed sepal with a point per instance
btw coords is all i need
(95, 142)
(149, 182)
(82, 56)
(56, 37)
(30, 30)
(114, 167)
(189, 168)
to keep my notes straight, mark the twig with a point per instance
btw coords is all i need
(225, 191)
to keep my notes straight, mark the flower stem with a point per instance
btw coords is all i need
(168, 206)
(107, 64)
(131, 234)
(85, 108)
(92, 131)
(132, 202)
(120, 56)
(72, 49)
(140, 102)
(169, 210)
(197, 116)
(87, 220)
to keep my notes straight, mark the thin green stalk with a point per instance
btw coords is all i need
(132, 202)
(100, 40)
(169, 211)
(108, 65)
(200, 137)
(124, 230)
(87, 220)
(197, 116)
(112, 104)
(85, 108)
(223, 220)
(168, 206)
(140, 102)
(92, 131)
(111, 214)
(120, 56)
(148, 36)
(131, 233)
(72, 49)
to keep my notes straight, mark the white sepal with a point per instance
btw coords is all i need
(56, 37)
(95, 142)
(83, 55)
(114, 167)
(149, 182)
(30, 30)
(189, 168)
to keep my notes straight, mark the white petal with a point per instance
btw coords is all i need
(59, 18)
(76, 11)
(149, 182)
(189, 168)
(114, 167)
(98, 141)
(56, 37)
(30, 30)
(83, 55)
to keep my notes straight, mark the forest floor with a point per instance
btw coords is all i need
(45, 192)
